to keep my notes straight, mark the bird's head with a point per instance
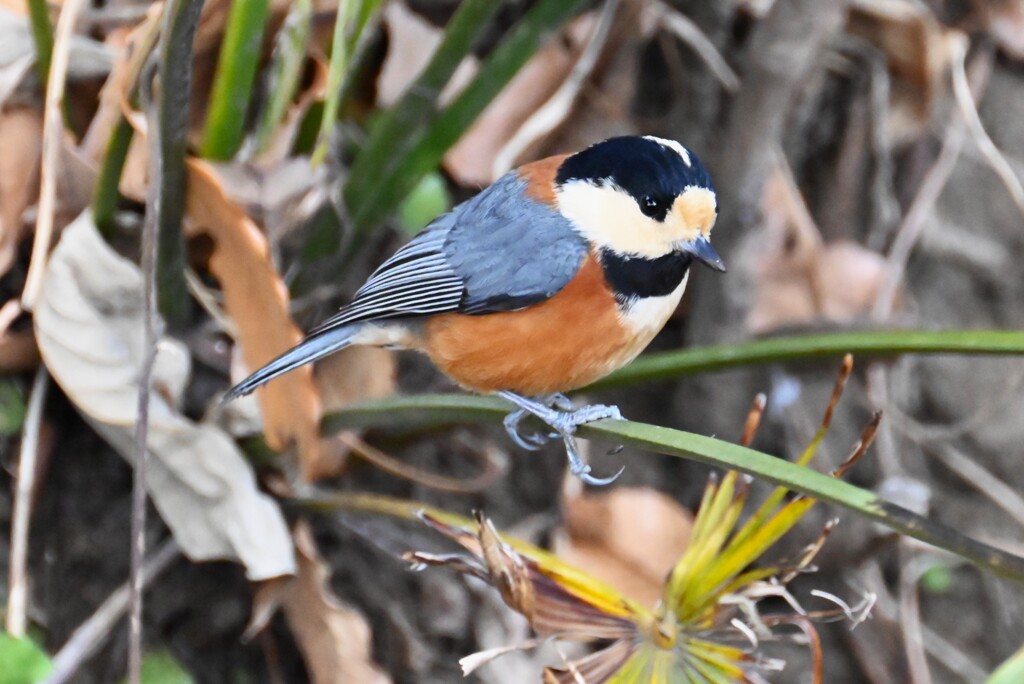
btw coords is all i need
(641, 197)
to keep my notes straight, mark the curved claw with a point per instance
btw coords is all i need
(529, 442)
(599, 481)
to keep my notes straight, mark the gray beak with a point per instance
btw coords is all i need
(703, 252)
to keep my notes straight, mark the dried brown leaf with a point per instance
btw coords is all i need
(21, 131)
(800, 279)
(630, 538)
(918, 53)
(334, 638)
(257, 301)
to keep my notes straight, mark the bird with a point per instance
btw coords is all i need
(560, 272)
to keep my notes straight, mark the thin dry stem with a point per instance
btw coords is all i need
(150, 248)
(754, 417)
(53, 135)
(969, 110)
(837, 391)
(476, 483)
(867, 436)
(17, 601)
(91, 634)
(687, 31)
(912, 567)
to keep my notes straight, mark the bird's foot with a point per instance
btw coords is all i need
(534, 441)
(563, 420)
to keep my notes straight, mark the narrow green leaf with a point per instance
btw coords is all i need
(393, 135)
(340, 56)
(107, 195)
(438, 410)
(402, 172)
(42, 36)
(233, 81)
(868, 343)
(286, 66)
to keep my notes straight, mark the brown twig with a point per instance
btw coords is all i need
(475, 483)
(867, 436)
(53, 135)
(91, 634)
(754, 416)
(17, 600)
(149, 256)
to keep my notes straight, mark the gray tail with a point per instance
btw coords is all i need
(310, 349)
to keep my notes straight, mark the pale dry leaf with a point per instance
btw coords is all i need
(335, 640)
(89, 59)
(471, 160)
(785, 269)
(800, 279)
(22, 133)
(850, 277)
(630, 537)
(918, 55)
(411, 42)
(89, 323)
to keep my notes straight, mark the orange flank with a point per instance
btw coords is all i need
(564, 343)
(540, 178)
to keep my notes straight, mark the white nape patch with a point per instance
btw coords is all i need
(673, 145)
(608, 217)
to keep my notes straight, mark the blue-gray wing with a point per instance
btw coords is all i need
(499, 251)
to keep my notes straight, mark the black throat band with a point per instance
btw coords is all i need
(633, 277)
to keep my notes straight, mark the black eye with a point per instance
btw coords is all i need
(652, 207)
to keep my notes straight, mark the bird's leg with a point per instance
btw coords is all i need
(564, 423)
(534, 441)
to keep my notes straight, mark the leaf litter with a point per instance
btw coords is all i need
(89, 326)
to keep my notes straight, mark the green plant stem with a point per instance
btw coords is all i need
(877, 343)
(104, 202)
(438, 410)
(232, 85)
(175, 68)
(42, 36)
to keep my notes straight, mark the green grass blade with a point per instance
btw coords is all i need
(340, 57)
(368, 205)
(232, 84)
(287, 64)
(107, 195)
(869, 343)
(439, 410)
(397, 128)
(42, 37)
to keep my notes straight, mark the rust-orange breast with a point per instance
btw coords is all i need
(566, 342)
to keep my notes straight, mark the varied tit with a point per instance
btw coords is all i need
(559, 273)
